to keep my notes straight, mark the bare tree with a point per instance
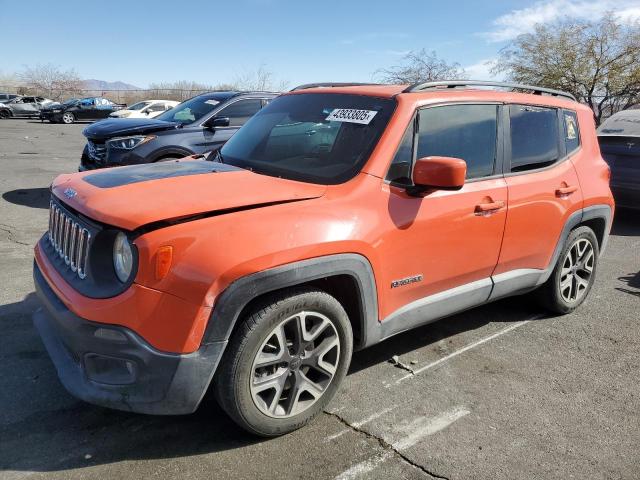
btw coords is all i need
(260, 79)
(51, 80)
(421, 66)
(598, 62)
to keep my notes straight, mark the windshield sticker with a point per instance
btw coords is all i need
(351, 115)
(212, 102)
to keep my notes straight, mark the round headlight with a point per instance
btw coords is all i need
(122, 257)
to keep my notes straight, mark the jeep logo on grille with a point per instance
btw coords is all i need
(70, 193)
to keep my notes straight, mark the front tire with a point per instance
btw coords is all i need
(4, 114)
(68, 118)
(285, 362)
(574, 274)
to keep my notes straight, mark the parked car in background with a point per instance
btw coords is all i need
(145, 109)
(24, 106)
(334, 219)
(619, 138)
(5, 97)
(200, 124)
(91, 108)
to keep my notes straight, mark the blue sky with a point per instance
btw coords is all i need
(140, 42)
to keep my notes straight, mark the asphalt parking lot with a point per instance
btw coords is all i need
(500, 392)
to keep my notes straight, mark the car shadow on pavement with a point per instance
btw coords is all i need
(513, 309)
(45, 429)
(29, 197)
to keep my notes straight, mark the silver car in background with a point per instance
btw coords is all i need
(24, 106)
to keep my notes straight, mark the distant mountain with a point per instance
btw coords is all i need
(93, 84)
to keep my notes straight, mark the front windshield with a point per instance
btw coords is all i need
(138, 106)
(189, 111)
(313, 137)
(71, 101)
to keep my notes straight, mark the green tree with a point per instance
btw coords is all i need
(598, 62)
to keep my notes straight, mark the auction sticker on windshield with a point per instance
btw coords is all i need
(351, 115)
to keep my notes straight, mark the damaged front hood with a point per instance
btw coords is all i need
(119, 127)
(138, 195)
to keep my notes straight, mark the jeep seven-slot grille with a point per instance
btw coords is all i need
(69, 239)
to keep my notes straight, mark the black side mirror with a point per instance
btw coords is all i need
(218, 122)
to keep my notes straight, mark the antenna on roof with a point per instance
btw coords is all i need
(419, 87)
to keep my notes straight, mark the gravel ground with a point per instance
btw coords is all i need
(499, 392)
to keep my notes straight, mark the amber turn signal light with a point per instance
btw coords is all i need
(163, 261)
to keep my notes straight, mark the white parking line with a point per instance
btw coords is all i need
(464, 349)
(423, 427)
(362, 468)
(360, 423)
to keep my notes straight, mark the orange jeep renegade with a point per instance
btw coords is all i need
(338, 216)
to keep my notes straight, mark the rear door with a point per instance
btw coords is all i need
(542, 182)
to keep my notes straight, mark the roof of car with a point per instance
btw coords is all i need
(432, 95)
(621, 124)
(226, 95)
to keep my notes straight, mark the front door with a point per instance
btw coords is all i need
(446, 243)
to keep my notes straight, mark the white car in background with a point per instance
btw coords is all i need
(145, 109)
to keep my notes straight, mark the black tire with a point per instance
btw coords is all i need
(236, 373)
(4, 114)
(550, 294)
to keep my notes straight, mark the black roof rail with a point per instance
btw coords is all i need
(330, 84)
(419, 87)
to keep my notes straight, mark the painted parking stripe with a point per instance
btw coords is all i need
(467, 348)
(359, 424)
(425, 426)
(362, 468)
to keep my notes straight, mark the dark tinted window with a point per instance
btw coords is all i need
(534, 137)
(241, 111)
(400, 169)
(314, 137)
(461, 131)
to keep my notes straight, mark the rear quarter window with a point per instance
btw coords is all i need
(571, 131)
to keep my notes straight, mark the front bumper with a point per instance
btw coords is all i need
(112, 158)
(111, 366)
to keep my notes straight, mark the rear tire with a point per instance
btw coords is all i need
(574, 274)
(285, 362)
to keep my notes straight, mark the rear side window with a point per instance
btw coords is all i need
(468, 132)
(241, 111)
(534, 137)
(571, 131)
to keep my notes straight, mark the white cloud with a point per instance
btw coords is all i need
(516, 22)
(481, 70)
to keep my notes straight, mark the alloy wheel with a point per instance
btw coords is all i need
(295, 364)
(577, 270)
(67, 118)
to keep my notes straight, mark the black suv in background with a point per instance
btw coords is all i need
(198, 125)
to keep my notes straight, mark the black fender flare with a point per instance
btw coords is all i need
(231, 302)
(179, 152)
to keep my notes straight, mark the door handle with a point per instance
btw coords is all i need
(488, 208)
(566, 191)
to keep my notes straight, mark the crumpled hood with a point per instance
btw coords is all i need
(133, 196)
(118, 127)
